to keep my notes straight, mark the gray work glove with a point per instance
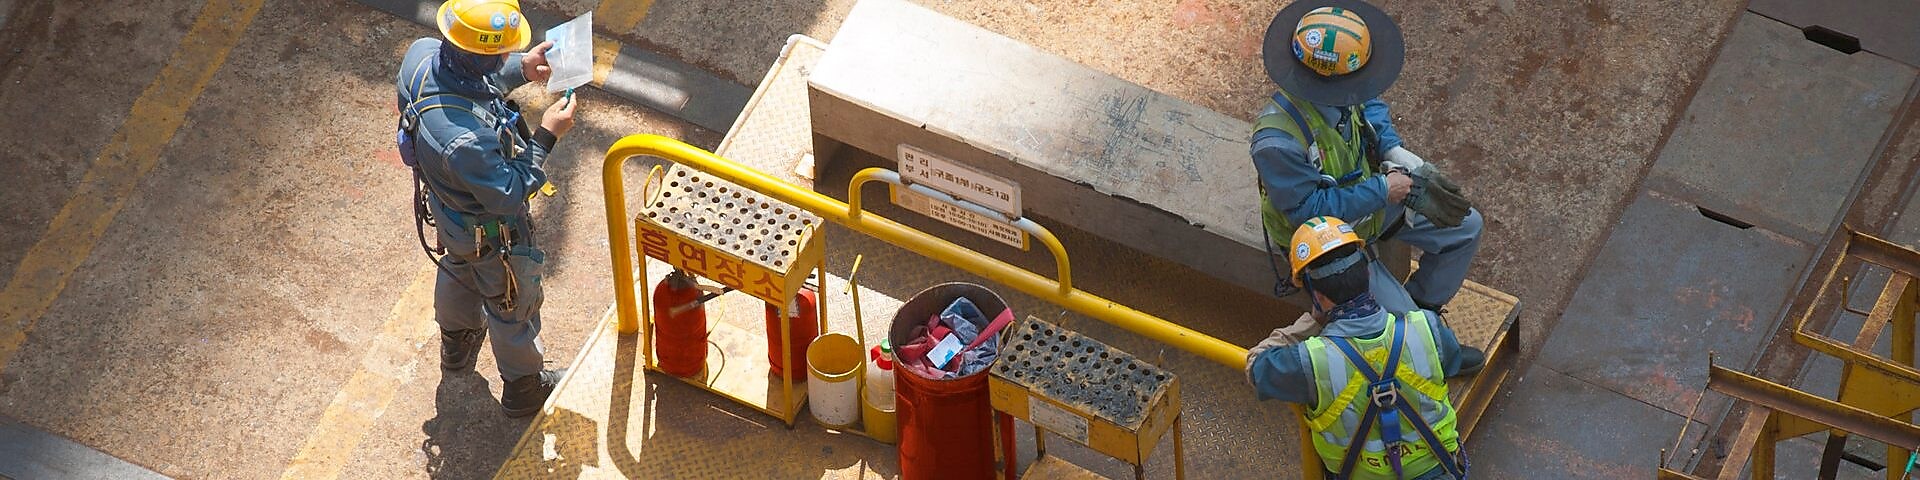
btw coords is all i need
(1303, 327)
(1436, 197)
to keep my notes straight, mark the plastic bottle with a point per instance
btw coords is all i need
(880, 376)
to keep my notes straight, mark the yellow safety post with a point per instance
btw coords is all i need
(1059, 292)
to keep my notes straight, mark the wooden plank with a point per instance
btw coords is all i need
(1088, 149)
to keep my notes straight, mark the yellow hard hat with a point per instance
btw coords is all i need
(1332, 41)
(1316, 237)
(485, 27)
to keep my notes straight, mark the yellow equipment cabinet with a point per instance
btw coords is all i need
(714, 229)
(1083, 390)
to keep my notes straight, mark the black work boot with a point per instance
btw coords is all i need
(523, 396)
(459, 348)
(1471, 359)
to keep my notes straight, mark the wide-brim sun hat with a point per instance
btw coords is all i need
(1382, 67)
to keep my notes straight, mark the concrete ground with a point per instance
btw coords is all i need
(212, 272)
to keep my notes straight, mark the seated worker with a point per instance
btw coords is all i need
(1373, 381)
(1325, 145)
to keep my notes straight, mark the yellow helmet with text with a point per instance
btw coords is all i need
(484, 27)
(1332, 41)
(1316, 237)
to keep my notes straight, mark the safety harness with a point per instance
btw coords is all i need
(1359, 133)
(1387, 406)
(423, 215)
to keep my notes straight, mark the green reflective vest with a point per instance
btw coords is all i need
(1340, 400)
(1337, 157)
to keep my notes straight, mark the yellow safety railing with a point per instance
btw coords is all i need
(1058, 291)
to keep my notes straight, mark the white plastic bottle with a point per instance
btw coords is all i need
(880, 376)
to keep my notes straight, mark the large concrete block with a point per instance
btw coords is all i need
(1155, 173)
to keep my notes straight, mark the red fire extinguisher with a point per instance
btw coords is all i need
(680, 325)
(802, 317)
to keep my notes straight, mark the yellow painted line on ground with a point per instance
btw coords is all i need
(604, 51)
(132, 152)
(388, 363)
(620, 16)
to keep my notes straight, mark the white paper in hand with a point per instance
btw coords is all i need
(572, 54)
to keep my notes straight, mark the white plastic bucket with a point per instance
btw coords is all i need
(834, 363)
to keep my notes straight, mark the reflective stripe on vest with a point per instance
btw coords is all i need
(1340, 399)
(1343, 159)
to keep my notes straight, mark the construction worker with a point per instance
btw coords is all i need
(480, 167)
(1324, 145)
(1373, 380)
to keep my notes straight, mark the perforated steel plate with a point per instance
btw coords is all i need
(732, 219)
(1076, 370)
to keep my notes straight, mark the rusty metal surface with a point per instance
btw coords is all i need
(1885, 27)
(1749, 145)
(1667, 288)
(1555, 426)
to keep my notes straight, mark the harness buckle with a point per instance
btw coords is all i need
(1384, 394)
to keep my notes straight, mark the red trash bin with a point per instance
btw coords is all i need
(946, 426)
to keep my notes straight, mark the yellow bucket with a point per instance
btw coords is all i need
(882, 425)
(834, 363)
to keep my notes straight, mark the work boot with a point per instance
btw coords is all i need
(523, 396)
(1471, 359)
(459, 348)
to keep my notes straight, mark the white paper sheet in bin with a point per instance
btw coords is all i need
(572, 54)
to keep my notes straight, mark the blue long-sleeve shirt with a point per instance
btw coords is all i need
(1293, 182)
(461, 155)
(1284, 373)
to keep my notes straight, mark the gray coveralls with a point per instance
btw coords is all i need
(481, 174)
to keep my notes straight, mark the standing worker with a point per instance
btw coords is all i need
(1373, 380)
(1325, 145)
(480, 168)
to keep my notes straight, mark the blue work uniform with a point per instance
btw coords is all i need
(1287, 373)
(480, 171)
(1296, 188)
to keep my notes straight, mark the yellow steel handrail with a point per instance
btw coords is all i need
(1063, 269)
(881, 228)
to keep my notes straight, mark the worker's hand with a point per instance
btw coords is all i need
(534, 63)
(1397, 186)
(559, 116)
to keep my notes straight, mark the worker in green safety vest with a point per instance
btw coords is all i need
(1325, 145)
(1373, 380)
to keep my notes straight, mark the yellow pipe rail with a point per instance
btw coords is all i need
(881, 228)
(1063, 269)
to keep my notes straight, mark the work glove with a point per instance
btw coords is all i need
(1303, 327)
(1404, 160)
(1436, 197)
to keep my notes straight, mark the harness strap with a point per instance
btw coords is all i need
(1401, 407)
(1389, 418)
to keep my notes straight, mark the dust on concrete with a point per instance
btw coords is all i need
(72, 69)
(239, 289)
